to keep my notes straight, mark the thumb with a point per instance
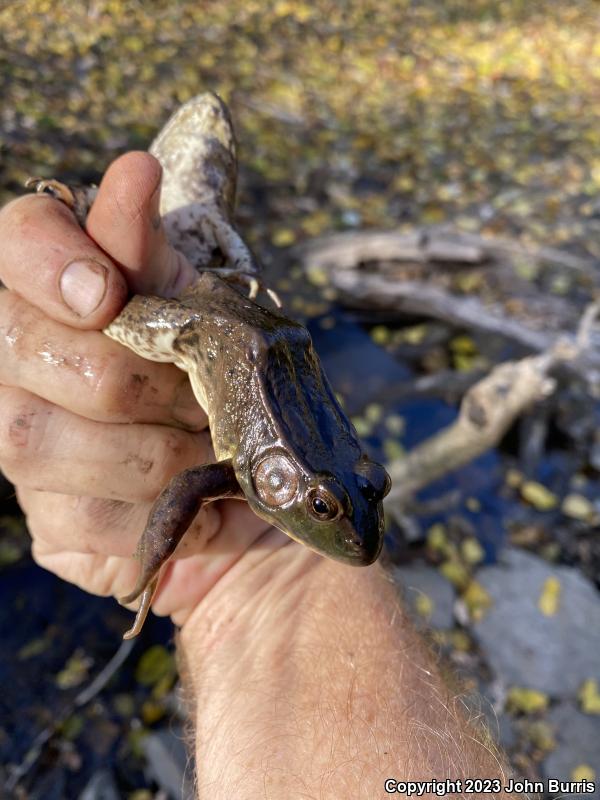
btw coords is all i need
(125, 222)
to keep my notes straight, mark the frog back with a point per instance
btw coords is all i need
(261, 381)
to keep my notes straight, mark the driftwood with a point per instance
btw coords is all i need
(487, 410)
(434, 243)
(424, 273)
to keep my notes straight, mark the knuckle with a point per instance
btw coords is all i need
(17, 320)
(16, 211)
(21, 217)
(96, 514)
(164, 457)
(117, 385)
(22, 426)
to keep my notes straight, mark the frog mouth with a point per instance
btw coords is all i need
(356, 549)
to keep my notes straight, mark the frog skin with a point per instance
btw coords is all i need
(281, 440)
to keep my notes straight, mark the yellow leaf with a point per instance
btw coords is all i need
(456, 573)
(393, 450)
(539, 496)
(577, 506)
(460, 641)
(156, 664)
(526, 701)
(541, 735)
(549, 600)
(318, 276)
(471, 551)
(477, 600)
(374, 412)
(437, 540)
(283, 237)
(583, 772)
(514, 478)
(395, 424)
(424, 605)
(381, 334)
(414, 335)
(589, 696)
(152, 711)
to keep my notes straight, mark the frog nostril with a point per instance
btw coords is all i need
(368, 491)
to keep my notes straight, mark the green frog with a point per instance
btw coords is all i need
(281, 440)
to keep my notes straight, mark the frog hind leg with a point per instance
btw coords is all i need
(170, 517)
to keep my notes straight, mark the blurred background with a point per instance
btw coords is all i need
(350, 115)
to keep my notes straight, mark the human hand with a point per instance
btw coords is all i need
(89, 432)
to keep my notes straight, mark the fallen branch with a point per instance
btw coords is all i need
(418, 273)
(348, 250)
(436, 243)
(487, 411)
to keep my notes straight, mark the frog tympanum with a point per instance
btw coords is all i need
(280, 437)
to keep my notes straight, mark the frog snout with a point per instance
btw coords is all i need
(359, 547)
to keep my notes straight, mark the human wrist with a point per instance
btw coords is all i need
(307, 675)
(263, 588)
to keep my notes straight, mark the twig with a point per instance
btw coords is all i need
(18, 772)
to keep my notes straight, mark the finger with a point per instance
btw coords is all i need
(87, 373)
(99, 574)
(125, 222)
(51, 262)
(44, 447)
(185, 582)
(82, 524)
(107, 527)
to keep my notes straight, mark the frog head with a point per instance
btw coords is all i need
(338, 515)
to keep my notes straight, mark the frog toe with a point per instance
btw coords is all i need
(142, 612)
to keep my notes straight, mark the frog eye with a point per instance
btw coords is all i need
(276, 480)
(323, 506)
(378, 481)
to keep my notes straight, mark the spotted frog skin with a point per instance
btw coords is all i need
(281, 440)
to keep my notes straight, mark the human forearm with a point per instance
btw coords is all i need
(310, 682)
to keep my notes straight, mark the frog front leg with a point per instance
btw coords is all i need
(170, 517)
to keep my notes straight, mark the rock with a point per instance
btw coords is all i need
(429, 595)
(551, 652)
(101, 786)
(168, 763)
(578, 737)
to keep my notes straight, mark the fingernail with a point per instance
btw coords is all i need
(82, 286)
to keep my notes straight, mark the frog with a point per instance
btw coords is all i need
(281, 440)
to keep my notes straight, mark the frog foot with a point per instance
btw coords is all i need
(54, 188)
(251, 282)
(145, 604)
(77, 198)
(240, 265)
